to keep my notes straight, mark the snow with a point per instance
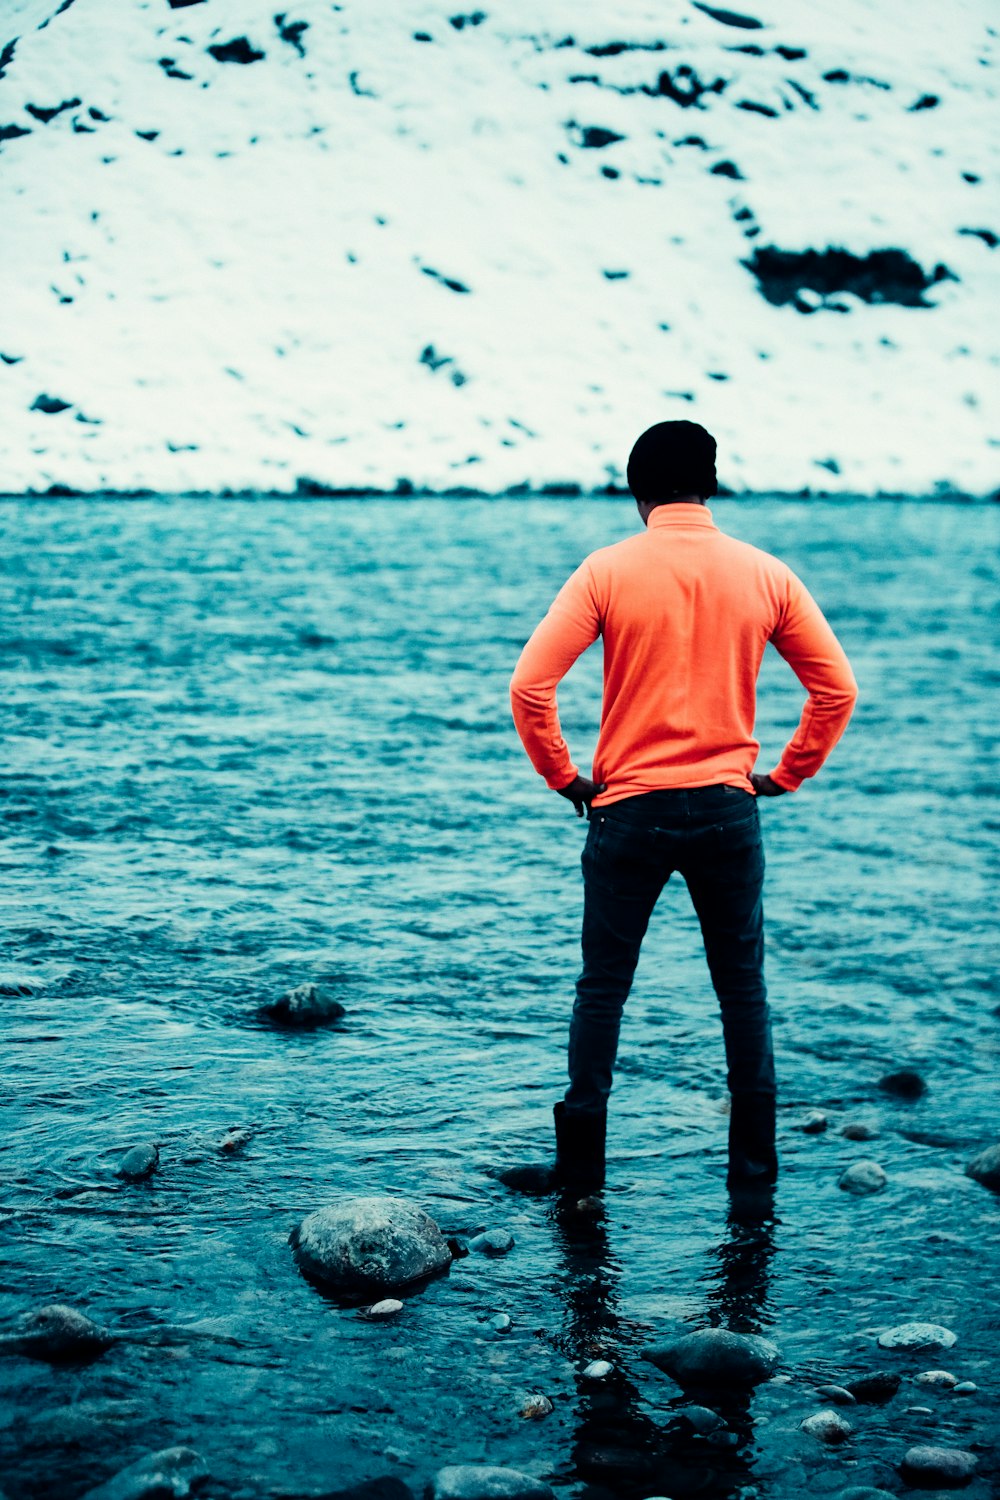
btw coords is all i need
(392, 259)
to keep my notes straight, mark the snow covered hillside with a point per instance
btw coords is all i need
(388, 241)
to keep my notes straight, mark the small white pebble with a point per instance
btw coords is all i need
(387, 1308)
(919, 1411)
(501, 1322)
(597, 1369)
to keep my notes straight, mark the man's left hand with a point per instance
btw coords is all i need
(581, 792)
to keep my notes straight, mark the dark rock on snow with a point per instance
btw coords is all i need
(304, 1006)
(172, 1474)
(57, 1334)
(714, 1356)
(485, 1482)
(239, 50)
(139, 1163)
(370, 1245)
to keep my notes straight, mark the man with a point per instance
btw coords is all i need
(685, 613)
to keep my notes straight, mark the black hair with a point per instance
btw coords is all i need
(670, 460)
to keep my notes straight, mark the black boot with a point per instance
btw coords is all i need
(753, 1161)
(579, 1163)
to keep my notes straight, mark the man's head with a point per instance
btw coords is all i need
(672, 461)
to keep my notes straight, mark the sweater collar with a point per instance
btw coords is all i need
(680, 513)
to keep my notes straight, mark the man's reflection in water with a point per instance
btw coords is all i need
(628, 1445)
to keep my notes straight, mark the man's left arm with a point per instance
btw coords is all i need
(804, 638)
(572, 624)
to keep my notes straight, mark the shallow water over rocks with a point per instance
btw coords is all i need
(255, 745)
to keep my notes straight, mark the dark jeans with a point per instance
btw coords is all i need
(711, 836)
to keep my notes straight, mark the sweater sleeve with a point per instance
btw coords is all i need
(805, 640)
(572, 624)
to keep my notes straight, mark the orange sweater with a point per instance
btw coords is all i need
(685, 612)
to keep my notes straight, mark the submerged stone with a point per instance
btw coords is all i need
(860, 1130)
(235, 1139)
(838, 1394)
(370, 1244)
(985, 1168)
(57, 1334)
(305, 1006)
(862, 1178)
(139, 1163)
(714, 1356)
(172, 1474)
(829, 1426)
(874, 1390)
(938, 1468)
(937, 1377)
(904, 1083)
(492, 1242)
(701, 1419)
(485, 1482)
(814, 1123)
(864, 1492)
(917, 1336)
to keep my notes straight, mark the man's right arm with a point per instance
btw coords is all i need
(804, 638)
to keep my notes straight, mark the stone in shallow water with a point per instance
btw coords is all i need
(714, 1356)
(860, 1130)
(370, 1244)
(814, 1123)
(485, 1482)
(702, 1419)
(387, 1308)
(838, 1394)
(139, 1163)
(536, 1406)
(598, 1369)
(864, 1492)
(58, 1334)
(938, 1468)
(829, 1426)
(937, 1377)
(917, 1336)
(874, 1390)
(235, 1138)
(903, 1083)
(172, 1474)
(304, 1006)
(985, 1168)
(966, 1388)
(863, 1177)
(493, 1242)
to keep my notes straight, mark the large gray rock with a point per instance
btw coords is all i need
(305, 1006)
(938, 1468)
(917, 1336)
(172, 1474)
(370, 1245)
(485, 1482)
(139, 1163)
(985, 1168)
(714, 1356)
(56, 1333)
(863, 1177)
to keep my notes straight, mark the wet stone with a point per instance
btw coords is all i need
(501, 1323)
(535, 1407)
(917, 1336)
(370, 1244)
(903, 1083)
(860, 1130)
(598, 1369)
(305, 1006)
(937, 1377)
(389, 1307)
(864, 1492)
(838, 1394)
(917, 1411)
(701, 1419)
(492, 1242)
(862, 1178)
(485, 1482)
(985, 1168)
(938, 1468)
(828, 1426)
(235, 1139)
(814, 1123)
(875, 1390)
(172, 1474)
(714, 1356)
(966, 1388)
(57, 1334)
(139, 1163)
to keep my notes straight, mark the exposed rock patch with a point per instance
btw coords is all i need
(880, 276)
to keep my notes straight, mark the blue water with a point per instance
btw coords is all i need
(255, 743)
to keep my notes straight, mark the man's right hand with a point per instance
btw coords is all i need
(581, 792)
(765, 787)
